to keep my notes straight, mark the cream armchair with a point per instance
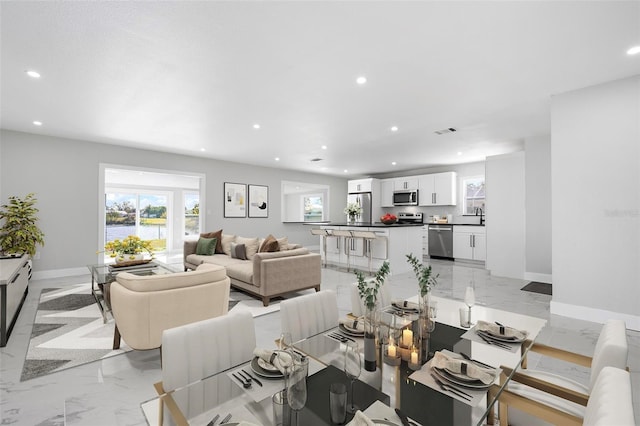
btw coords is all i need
(144, 306)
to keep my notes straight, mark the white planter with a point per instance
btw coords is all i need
(129, 257)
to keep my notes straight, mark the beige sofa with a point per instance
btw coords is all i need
(264, 275)
(143, 306)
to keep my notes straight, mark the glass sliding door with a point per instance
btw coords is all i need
(153, 220)
(191, 213)
(121, 215)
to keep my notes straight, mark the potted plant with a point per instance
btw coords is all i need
(128, 249)
(426, 320)
(20, 233)
(368, 291)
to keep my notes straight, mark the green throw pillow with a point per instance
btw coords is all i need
(206, 246)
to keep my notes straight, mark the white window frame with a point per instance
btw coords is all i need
(463, 192)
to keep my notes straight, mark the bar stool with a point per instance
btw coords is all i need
(367, 238)
(347, 236)
(323, 233)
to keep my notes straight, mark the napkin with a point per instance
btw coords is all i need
(361, 419)
(442, 361)
(280, 359)
(405, 304)
(353, 324)
(507, 332)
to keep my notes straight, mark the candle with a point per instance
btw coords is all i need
(414, 357)
(391, 351)
(407, 338)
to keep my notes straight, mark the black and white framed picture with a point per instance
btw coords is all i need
(235, 199)
(258, 201)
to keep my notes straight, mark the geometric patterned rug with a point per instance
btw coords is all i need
(68, 331)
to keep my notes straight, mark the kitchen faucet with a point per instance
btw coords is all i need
(481, 214)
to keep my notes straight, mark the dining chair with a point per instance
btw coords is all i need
(357, 305)
(309, 314)
(194, 351)
(537, 389)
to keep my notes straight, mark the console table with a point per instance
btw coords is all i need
(14, 280)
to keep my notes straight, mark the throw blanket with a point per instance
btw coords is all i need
(504, 332)
(485, 375)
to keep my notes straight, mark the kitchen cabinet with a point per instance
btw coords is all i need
(438, 189)
(14, 286)
(425, 241)
(402, 183)
(360, 185)
(469, 243)
(386, 192)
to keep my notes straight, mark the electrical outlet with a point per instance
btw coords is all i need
(37, 256)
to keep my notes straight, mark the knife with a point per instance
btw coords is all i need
(254, 378)
(403, 417)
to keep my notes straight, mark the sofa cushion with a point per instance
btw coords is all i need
(218, 236)
(206, 246)
(270, 244)
(283, 243)
(227, 239)
(238, 251)
(241, 271)
(143, 283)
(251, 245)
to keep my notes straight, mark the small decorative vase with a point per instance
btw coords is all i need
(370, 331)
(426, 324)
(352, 219)
(128, 257)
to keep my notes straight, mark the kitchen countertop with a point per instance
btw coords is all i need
(454, 224)
(370, 224)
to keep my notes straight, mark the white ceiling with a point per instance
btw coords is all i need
(183, 76)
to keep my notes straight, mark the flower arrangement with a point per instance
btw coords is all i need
(352, 209)
(368, 290)
(128, 248)
(423, 274)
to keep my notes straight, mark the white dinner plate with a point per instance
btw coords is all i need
(350, 331)
(499, 338)
(264, 373)
(451, 379)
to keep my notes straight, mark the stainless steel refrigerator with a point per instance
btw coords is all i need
(363, 199)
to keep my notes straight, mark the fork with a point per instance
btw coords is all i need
(342, 337)
(492, 342)
(214, 420)
(226, 419)
(449, 388)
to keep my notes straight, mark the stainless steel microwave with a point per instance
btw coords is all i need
(407, 197)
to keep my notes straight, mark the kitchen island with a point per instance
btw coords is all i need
(388, 242)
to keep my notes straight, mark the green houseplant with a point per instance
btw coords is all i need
(20, 233)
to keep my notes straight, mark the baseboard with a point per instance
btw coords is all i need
(58, 273)
(594, 315)
(534, 276)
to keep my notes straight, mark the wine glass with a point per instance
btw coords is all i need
(297, 386)
(285, 345)
(352, 368)
(470, 300)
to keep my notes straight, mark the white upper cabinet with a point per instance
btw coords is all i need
(360, 185)
(402, 183)
(386, 192)
(437, 189)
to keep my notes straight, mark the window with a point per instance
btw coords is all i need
(473, 194)
(313, 208)
(191, 213)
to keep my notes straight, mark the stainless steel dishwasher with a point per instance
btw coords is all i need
(441, 241)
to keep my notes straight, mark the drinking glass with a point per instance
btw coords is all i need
(352, 368)
(470, 300)
(297, 386)
(285, 344)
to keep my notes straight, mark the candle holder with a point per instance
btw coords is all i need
(392, 353)
(415, 357)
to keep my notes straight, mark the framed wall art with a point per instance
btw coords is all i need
(258, 201)
(235, 199)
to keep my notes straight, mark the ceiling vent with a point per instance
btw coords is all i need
(445, 131)
(315, 160)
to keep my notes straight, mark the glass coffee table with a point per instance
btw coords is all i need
(102, 275)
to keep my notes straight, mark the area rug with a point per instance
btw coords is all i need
(68, 331)
(538, 287)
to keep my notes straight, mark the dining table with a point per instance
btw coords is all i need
(414, 391)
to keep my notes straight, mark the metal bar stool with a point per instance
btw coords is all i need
(323, 233)
(367, 238)
(346, 236)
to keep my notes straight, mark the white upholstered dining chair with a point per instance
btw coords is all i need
(533, 391)
(198, 350)
(310, 314)
(357, 305)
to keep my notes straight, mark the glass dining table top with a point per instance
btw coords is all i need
(397, 386)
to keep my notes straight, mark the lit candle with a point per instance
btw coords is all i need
(414, 357)
(407, 337)
(391, 350)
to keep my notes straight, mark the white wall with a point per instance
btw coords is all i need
(538, 208)
(595, 151)
(64, 175)
(505, 186)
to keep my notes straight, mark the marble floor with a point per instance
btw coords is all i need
(109, 392)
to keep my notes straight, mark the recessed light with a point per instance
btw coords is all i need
(256, 126)
(277, 158)
(346, 171)
(33, 74)
(393, 163)
(459, 153)
(323, 147)
(394, 128)
(361, 80)
(37, 123)
(634, 50)
(202, 149)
